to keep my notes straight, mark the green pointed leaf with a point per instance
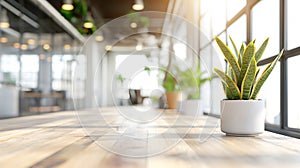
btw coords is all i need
(203, 80)
(230, 83)
(234, 46)
(257, 86)
(248, 80)
(230, 58)
(230, 73)
(224, 86)
(261, 50)
(242, 49)
(227, 91)
(257, 72)
(247, 56)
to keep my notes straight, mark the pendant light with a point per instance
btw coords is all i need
(99, 37)
(138, 5)
(88, 23)
(4, 23)
(67, 5)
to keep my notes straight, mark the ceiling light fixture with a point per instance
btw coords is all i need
(67, 5)
(24, 47)
(139, 5)
(31, 41)
(19, 13)
(99, 38)
(46, 47)
(67, 46)
(133, 25)
(108, 47)
(3, 39)
(88, 23)
(16, 45)
(4, 23)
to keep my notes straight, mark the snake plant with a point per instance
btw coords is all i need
(241, 81)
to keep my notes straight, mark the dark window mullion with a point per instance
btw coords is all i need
(283, 68)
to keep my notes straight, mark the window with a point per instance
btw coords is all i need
(293, 27)
(204, 7)
(134, 74)
(29, 71)
(266, 25)
(180, 50)
(205, 30)
(63, 68)
(271, 93)
(234, 6)
(238, 31)
(205, 56)
(218, 17)
(293, 92)
(61, 72)
(10, 68)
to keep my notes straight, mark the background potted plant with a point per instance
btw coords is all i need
(172, 90)
(191, 80)
(122, 91)
(242, 113)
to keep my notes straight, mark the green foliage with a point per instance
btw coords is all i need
(121, 78)
(246, 58)
(77, 16)
(80, 8)
(137, 18)
(191, 80)
(230, 58)
(148, 70)
(229, 85)
(144, 21)
(240, 81)
(170, 83)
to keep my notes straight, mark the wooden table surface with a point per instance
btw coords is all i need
(58, 140)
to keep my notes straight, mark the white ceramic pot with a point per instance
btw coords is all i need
(190, 107)
(243, 117)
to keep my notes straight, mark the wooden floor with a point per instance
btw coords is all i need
(58, 140)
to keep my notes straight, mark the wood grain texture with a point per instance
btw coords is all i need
(58, 140)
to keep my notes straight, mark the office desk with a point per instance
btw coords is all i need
(57, 140)
(37, 106)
